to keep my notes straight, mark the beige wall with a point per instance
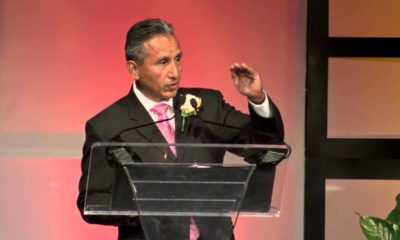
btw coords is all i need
(346, 197)
(363, 98)
(364, 18)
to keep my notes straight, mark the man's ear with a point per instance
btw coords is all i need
(133, 69)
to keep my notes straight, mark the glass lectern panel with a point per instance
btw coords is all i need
(175, 189)
(206, 195)
(200, 181)
(183, 189)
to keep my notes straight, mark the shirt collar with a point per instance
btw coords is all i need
(146, 102)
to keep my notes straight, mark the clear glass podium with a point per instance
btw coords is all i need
(203, 186)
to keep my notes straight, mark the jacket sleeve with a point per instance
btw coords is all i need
(228, 125)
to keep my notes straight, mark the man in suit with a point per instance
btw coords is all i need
(154, 61)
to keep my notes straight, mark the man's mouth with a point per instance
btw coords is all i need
(172, 86)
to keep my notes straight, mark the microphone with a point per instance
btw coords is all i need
(261, 158)
(118, 135)
(118, 156)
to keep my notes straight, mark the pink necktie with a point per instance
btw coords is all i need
(165, 128)
(194, 230)
(169, 134)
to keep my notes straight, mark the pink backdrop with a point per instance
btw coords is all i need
(63, 61)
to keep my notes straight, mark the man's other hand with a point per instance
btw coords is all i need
(248, 82)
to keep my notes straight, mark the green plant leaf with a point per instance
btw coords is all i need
(394, 215)
(379, 229)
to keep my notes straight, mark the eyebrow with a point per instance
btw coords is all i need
(179, 54)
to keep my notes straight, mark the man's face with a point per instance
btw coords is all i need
(160, 73)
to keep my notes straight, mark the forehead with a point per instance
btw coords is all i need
(162, 45)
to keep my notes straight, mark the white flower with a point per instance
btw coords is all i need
(187, 109)
(190, 107)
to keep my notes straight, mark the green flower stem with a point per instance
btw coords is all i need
(183, 124)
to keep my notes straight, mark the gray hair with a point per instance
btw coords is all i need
(142, 31)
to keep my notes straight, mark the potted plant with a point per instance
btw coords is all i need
(382, 229)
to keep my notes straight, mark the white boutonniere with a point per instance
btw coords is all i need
(190, 107)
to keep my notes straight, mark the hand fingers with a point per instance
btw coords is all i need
(246, 79)
(241, 69)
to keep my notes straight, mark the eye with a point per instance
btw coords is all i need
(163, 62)
(178, 58)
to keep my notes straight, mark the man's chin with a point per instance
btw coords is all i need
(170, 94)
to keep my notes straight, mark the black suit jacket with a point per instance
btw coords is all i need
(129, 112)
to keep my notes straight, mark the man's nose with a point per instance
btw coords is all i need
(173, 70)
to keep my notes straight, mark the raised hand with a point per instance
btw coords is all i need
(248, 82)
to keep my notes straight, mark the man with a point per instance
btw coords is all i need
(154, 60)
